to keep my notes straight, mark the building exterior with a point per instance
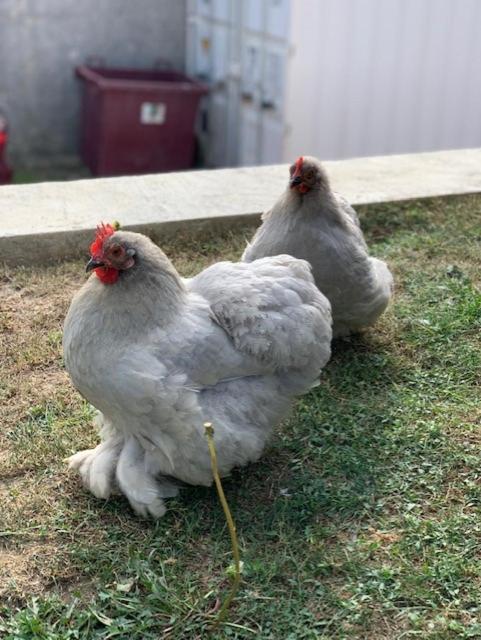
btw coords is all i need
(335, 78)
(332, 78)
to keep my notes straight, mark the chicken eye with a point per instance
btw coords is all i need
(310, 175)
(116, 251)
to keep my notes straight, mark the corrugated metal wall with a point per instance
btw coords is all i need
(336, 78)
(383, 76)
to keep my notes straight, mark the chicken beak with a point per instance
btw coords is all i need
(294, 181)
(93, 264)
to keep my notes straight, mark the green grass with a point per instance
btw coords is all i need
(362, 520)
(70, 169)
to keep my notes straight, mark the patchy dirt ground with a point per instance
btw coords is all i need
(361, 521)
(43, 417)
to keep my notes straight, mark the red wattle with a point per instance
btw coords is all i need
(107, 275)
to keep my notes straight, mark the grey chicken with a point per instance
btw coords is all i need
(158, 356)
(311, 222)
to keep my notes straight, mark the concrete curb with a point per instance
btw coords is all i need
(51, 221)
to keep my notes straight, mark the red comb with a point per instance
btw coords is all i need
(104, 231)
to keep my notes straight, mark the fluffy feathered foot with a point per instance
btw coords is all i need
(97, 467)
(138, 485)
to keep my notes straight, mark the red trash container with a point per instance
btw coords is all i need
(136, 121)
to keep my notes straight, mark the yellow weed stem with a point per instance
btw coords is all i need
(209, 434)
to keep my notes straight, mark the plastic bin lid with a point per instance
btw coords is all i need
(122, 78)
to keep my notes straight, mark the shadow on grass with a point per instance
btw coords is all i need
(327, 462)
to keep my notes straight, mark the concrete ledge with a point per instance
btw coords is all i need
(50, 221)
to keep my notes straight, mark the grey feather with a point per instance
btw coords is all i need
(321, 227)
(158, 356)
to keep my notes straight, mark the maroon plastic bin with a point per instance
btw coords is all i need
(136, 121)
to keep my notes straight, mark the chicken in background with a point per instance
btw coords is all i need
(158, 356)
(311, 222)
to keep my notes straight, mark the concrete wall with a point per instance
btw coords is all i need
(52, 221)
(41, 41)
